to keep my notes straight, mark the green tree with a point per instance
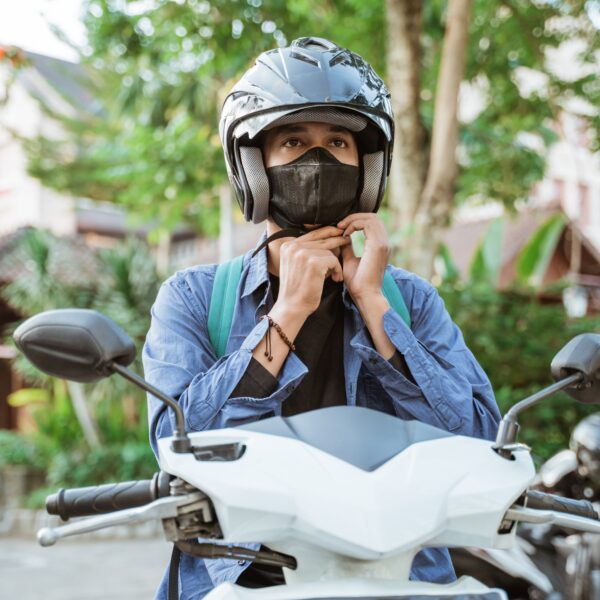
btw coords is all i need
(493, 46)
(161, 70)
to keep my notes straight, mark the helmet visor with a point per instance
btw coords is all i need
(344, 116)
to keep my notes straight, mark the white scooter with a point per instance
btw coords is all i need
(343, 497)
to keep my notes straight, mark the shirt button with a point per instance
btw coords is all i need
(373, 361)
(242, 563)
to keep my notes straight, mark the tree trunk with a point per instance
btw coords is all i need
(404, 82)
(436, 201)
(84, 415)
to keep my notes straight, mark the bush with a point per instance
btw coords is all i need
(106, 464)
(19, 450)
(514, 336)
(122, 283)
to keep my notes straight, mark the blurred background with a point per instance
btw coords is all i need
(112, 178)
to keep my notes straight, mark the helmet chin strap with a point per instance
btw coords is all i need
(287, 232)
(294, 231)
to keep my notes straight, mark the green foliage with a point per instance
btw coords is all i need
(122, 283)
(57, 426)
(160, 72)
(19, 450)
(118, 462)
(28, 396)
(506, 144)
(487, 260)
(537, 253)
(450, 272)
(514, 337)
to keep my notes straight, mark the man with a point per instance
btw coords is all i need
(308, 135)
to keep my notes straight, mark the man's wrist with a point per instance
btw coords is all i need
(290, 318)
(372, 307)
(370, 303)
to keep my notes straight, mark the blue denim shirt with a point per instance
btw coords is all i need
(451, 391)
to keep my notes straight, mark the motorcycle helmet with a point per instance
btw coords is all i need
(585, 442)
(311, 80)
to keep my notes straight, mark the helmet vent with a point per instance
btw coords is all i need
(308, 42)
(338, 58)
(304, 57)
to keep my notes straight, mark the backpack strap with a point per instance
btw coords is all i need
(394, 297)
(222, 303)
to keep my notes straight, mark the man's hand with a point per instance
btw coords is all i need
(304, 264)
(364, 276)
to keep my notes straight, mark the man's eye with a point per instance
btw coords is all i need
(292, 143)
(339, 143)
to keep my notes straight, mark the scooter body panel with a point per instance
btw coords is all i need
(448, 491)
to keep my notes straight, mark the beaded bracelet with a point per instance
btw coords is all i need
(269, 348)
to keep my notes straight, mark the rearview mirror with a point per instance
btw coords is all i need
(75, 344)
(580, 355)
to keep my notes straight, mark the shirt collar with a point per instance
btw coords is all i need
(258, 272)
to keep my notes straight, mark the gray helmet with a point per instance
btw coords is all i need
(311, 80)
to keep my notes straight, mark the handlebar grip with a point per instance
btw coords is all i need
(100, 499)
(579, 508)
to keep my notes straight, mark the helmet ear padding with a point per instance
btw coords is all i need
(373, 168)
(258, 182)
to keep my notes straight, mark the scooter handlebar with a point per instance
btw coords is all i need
(101, 499)
(543, 501)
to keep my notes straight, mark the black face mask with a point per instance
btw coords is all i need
(316, 188)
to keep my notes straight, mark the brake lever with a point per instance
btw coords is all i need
(163, 508)
(534, 515)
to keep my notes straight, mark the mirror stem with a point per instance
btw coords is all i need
(181, 441)
(509, 427)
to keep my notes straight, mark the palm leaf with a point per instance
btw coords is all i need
(486, 264)
(535, 257)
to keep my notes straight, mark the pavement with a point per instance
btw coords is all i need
(81, 570)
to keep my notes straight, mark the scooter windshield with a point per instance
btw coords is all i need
(362, 437)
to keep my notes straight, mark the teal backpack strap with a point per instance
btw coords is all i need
(222, 303)
(394, 297)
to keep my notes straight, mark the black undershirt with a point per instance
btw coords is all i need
(320, 346)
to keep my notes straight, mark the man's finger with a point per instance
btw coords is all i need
(326, 244)
(322, 233)
(354, 216)
(356, 225)
(348, 254)
(334, 268)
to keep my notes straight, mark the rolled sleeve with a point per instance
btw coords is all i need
(256, 382)
(450, 389)
(180, 360)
